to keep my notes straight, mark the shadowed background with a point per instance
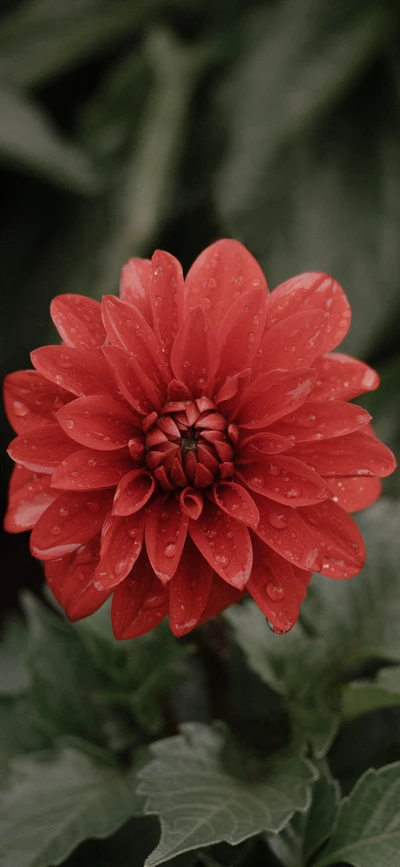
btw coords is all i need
(127, 125)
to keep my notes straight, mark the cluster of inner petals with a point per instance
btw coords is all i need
(188, 443)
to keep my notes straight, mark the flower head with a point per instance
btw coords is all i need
(192, 441)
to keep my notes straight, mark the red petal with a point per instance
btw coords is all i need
(237, 502)
(139, 603)
(88, 470)
(133, 491)
(69, 522)
(339, 539)
(98, 422)
(265, 443)
(273, 395)
(293, 342)
(30, 400)
(30, 496)
(195, 354)
(134, 287)
(135, 386)
(312, 291)
(285, 480)
(240, 332)
(191, 503)
(230, 394)
(321, 420)
(121, 544)
(355, 494)
(78, 321)
(127, 327)
(277, 587)
(284, 530)
(225, 544)
(357, 454)
(189, 590)
(340, 376)
(166, 294)
(81, 371)
(165, 532)
(71, 581)
(222, 595)
(219, 276)
(41, 450)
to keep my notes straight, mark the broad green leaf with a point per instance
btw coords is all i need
(363, 696)
(306, 832)
(294, 666)
(42, 38)
(138, 672)
(306, 187)
(367, 829)
(28, 139)
(20, 729)
(360, 619)
(199, 803)
(14, 671)
(54, 800)
(65, 685)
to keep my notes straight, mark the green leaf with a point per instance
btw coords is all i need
(28, 140)
(20, 729)
(343, 624)
(306, 832)
(56, 799)
(367, 830)
(364, 696)
(14, 671)
(64, 681)
(360, 619)
(138, 673)
(307, 187)
(294, 666)
(43, 38)
(199, 803)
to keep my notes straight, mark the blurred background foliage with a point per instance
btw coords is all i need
(127, 125)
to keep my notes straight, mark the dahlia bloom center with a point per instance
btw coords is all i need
(188, 443)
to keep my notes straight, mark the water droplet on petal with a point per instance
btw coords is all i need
(56, 530)
(277, 520)
(69, 423)
(222, 560)
(293, 492)
(170, 550)
(273, 470)
(275, 591)
(20, 409)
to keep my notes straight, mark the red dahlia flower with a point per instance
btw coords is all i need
(192, 441)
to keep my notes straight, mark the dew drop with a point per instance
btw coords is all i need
(222, 559)
(277, 520)
(206, 303)
(256, 318)
(293, 492)
(56, 530)
(63, 512)
(69, 423)
(273, 470)
(170, 550)
(20, 409)
(257, 482)
(275, 591)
